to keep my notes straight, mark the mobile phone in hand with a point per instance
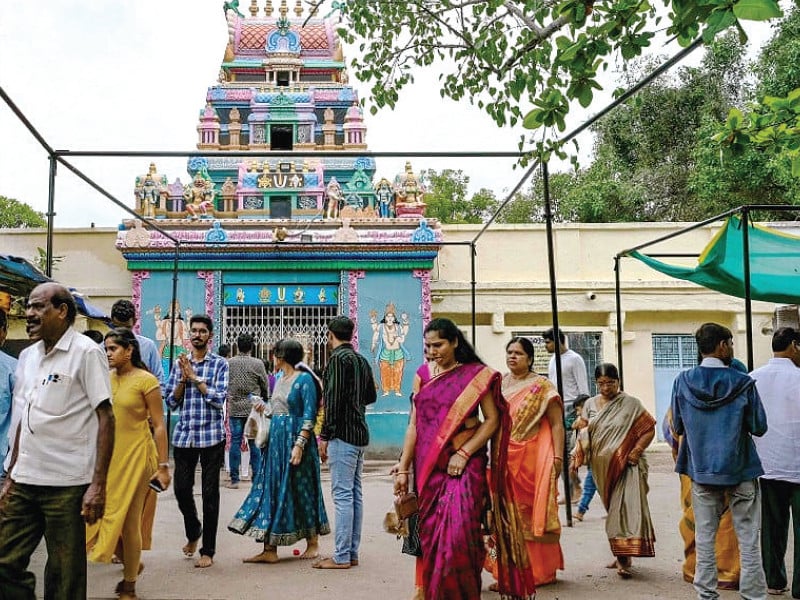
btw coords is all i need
(155, 485)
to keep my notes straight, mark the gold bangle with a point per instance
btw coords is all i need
(402, 473)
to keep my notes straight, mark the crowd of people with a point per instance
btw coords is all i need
(87, 453)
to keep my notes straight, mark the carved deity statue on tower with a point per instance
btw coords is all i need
(149, 190)
(384, 199)
(335, 198)
(199, 196)
(409, 193)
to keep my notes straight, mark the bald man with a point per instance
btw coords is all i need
(62, 448)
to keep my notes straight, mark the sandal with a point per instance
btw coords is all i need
(624, 572)
(126, 590)
(623, 567)
(578, 516)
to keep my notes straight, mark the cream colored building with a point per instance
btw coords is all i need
(513, 295)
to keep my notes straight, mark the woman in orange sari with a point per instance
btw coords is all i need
(617, 436)
(446, 442)
(535, 456)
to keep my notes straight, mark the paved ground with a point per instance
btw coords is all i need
(384, 572)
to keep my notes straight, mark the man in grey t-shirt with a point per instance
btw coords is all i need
(247, 375)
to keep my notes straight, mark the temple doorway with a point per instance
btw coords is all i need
(270, 324)
(281, 137)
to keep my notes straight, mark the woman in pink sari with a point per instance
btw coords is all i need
(446, 440)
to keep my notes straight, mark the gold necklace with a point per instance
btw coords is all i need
(437, 370)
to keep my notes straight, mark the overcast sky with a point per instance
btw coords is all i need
(133, 74)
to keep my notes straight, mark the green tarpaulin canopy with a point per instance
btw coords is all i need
(774, 264)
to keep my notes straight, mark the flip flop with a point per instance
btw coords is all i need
(624, 572)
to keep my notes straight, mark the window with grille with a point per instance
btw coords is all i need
(674, 351)
(586, 343)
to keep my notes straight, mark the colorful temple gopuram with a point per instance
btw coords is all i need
(277, 245)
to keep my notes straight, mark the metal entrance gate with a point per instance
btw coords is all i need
(270, 324)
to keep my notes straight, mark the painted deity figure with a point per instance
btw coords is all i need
(216, 234)
(408, 188)
(385, 197)
(335, 198)
(388, 339)
(199, 196)
(163, 330)
(149, 192)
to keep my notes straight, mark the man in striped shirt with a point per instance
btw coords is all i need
(349, 388)
(198, 384)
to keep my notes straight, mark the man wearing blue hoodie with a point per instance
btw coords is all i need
(717, 410)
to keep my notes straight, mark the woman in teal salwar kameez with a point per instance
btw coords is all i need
(285, 503)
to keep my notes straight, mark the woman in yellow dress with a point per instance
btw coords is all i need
(138, 457)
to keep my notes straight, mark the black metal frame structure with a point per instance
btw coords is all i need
(745, 212)
(62, 157)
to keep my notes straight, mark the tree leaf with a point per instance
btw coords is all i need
(757, 10)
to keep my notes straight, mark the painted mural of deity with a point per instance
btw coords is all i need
(180, 336)
(388, 348)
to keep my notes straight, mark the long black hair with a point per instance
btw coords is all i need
(527, 348)
(125, 338)
(447, 330)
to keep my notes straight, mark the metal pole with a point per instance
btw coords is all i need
(51, 213)
(473, 284)
(618, 298)
(172, 311)
(551, 265)
(748, 301)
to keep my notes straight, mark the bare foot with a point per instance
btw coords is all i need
(493, 587)
(267, 556)
(204, 562)
(312, 549)
(419, 594)
(190, 548)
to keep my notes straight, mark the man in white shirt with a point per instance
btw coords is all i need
(778, 384)
(574, 381)
(62, 448)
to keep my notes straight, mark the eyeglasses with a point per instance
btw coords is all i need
(607, 383)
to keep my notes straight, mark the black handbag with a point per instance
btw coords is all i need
(411, 544)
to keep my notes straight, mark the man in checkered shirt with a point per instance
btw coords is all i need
(198, 385)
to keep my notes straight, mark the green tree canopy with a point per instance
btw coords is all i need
(506, 55)
(653, 157)
(446, 198)
(15, 214)
(772, 123)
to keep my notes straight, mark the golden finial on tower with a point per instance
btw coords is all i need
(254, 8)
(284, 10)
(298, 9)
(268, 8)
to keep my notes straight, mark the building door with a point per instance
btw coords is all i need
(270, 324)
(672, 353)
